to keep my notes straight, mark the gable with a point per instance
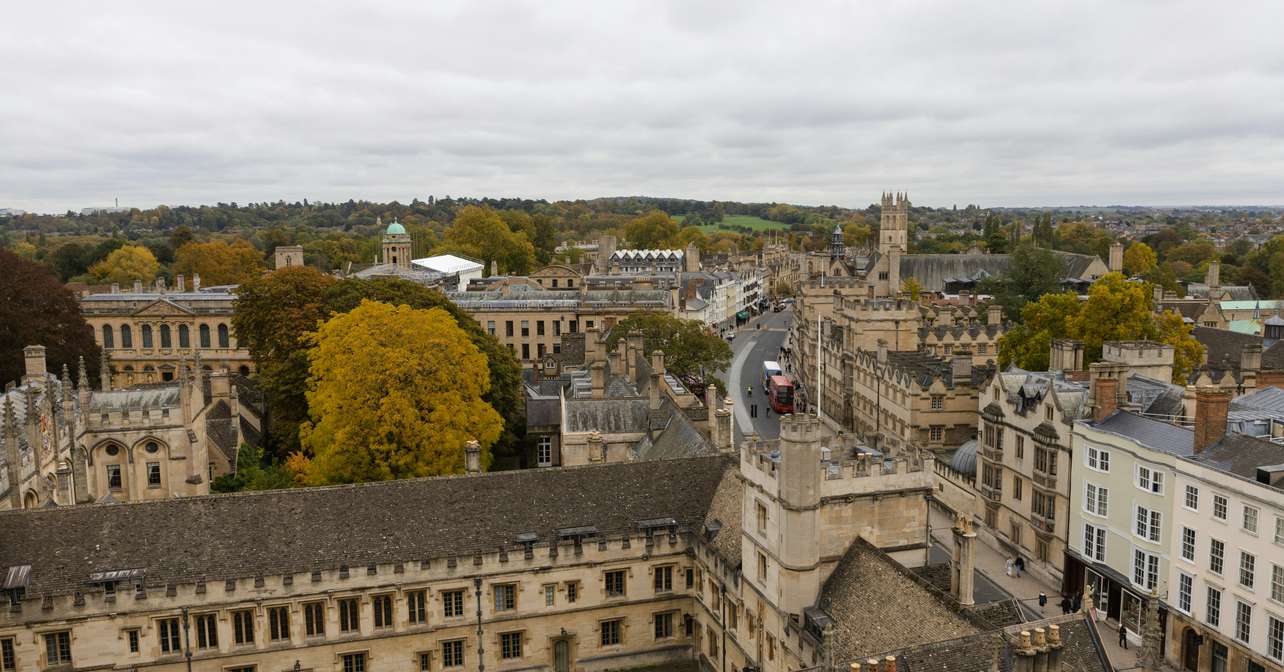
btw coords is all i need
(163, 308)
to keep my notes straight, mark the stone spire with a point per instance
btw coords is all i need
(66, 382)
(104, 373)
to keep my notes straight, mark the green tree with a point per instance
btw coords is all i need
(394, 392)
(481, 233)
(652, 231)
(127, 264)
(690, 351)
(1083, 238)
(70, 260)
(912, 288)
(253, 472)
(36, 309)
(1139, 259)
(1034, 272)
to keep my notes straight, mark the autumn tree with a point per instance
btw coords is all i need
(1032, 273)
(218, 262)
(690, 351)
(1115, 310)
(481, 233)
(36, 309)
(652, 231)
(1139, 259)
(273, 314)
(394, 392)
(126, 264)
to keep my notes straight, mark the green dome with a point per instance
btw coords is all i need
(395, 227)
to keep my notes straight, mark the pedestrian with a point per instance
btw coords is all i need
(1065, 604)
(1020, 566)
(1007, 567)
(1077, 604)
(1123, 637)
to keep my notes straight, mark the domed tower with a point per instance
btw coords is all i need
(396, 245)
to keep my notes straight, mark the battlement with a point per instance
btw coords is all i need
(801, 428)
(1137, 352)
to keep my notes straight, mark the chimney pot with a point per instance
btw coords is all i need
(1211, 406)
(1105, 393)
(889, 664)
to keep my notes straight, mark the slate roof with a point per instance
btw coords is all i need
(1232, 292)
(354, 525)
(933, 270)
(1240, 455)
(1222, 347)
(1155, 396)
(221, 428)
(608, 416)
(1262, 399)
(725, 513)
(925, 367)
(1081, 651)
(677, 438)
(878, 605)
(1152, 434)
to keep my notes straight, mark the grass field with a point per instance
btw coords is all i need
(747, 221)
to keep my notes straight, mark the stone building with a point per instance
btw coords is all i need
(287, 256)
(531, 321)
(901, 400)
(149, 332)
(66, 443)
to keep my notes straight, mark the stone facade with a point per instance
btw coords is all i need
(148, 333)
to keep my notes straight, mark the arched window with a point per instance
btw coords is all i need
(126, 336)
(107, 337)
(184, 336)
(205, 335)
(222, 336)
(147, 335)
(165, 337)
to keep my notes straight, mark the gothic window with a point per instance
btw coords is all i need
(205, 335)
(184, 336)
(113, 476)
(107, 337)
(165, 337)
(147, 335)
(223, 341)
(126, 336)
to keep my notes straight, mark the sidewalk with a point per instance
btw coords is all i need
(1026, 589)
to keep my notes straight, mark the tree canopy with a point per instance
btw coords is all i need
(483, 234)
(218, 262)
(1034, 272)
(127, 264)
(690, 352)
(1139, 259)
(394, 392)
(1116, 310)
(36, 309)
(651, 231)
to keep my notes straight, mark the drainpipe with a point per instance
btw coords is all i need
(481, 644)
(722, 590)
(187, 639)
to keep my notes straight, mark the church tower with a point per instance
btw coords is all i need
(893, 225)
(396, 245)
(836, 248)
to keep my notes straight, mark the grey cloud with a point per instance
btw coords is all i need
(819, 102)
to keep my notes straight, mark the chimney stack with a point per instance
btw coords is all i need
(1214, 279)
(180, 283)
(1211, 406)
(1250, 358)
(710, 407)
(1105, 396)
(34, 359)
(472, 457)
(882, 351)
(138, 286)
(961, 368)
(994, 314)
(1116, 262)
(196, 282)
(597, 371)
(115, 288)
(596, 447)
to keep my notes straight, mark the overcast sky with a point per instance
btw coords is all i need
(1012, 103)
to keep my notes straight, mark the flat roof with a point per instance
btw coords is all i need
(447, 263)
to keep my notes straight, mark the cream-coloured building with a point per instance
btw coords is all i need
(66, 443)
(149, 332)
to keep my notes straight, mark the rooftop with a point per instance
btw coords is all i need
(447, 264)
(1153, 434)
(354, 525)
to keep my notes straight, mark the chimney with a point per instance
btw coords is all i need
(138, 286)
(196, 282)
(180, 283)
(1054, 648)
(596, 447)
(889, 664)
(657, 360)
(882, 351)
(115, 288)
(472, 457)
(963, 576)
(494, 268)
(1116, 259)
(1105, 396)
(1157, 293)
(1211, 405)
(1214, 277)
(994, 314)
(160, 283)
(34, 359)
(597, 371)
(961, 368)
(1250, 358)
(710, 406)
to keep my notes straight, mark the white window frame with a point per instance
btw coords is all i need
(1215, 545)
(1225, 501)
(1094, 542)
(542, 458)
(1247, 567)
(1147, 564)
(1213, 612)
(1277, 583)
(1189, 546)
(1185, 592)
(1274, 638)
(1279, 530)
(1151, 528)
(1096, 500)
(1192, 492)
(1251, 513)
(1097, 459)
(1148, 479)
(1240, 607)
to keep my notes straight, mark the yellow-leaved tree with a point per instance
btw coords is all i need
(393, 392)
(127, 264)
(218, 262)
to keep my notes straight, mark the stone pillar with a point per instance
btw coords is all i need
(472, 457)
(1024, 653)
(80, 475)
(34, 359)
(963, 578)
(711, 407)
(1040, 650)
(1054, 648)
(726, 426)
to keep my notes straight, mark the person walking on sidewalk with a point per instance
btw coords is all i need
(1020, 565)
(1007, 567)
(1123, 637)
(1065, 604)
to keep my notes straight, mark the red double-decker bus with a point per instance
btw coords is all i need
(780, 394)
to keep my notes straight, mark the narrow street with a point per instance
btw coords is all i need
(751, 347)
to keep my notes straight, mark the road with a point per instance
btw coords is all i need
(750, 349)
